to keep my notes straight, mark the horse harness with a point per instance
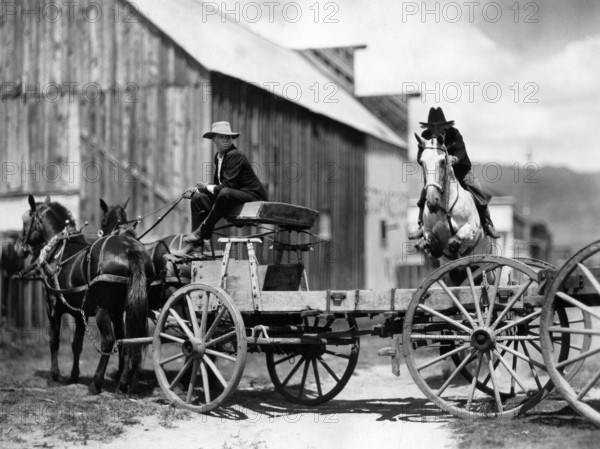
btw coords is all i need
(441, 187)
(50, 276)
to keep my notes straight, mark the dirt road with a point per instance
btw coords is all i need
(375, 409)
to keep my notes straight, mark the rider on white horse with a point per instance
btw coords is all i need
(437, 126)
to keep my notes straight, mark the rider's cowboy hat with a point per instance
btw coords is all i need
(436, 117)
(222, 128)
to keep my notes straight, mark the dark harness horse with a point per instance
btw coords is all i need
(168, 276)
(106, 279)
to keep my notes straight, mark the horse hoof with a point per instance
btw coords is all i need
(53, 382)
(453, 247)
(94, 389)
(55, 377)
(123, 388)
(73, 379)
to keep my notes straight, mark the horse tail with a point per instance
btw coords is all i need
(136, 311)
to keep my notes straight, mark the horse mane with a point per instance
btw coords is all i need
(62, 213)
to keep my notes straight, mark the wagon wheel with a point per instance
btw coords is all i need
(561, 317)
(582, 390)
(532, 326)
(311, 374)
(199, 347)
(491, 331)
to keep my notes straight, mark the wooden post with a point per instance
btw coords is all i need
(27, 305)
(40, 304)
(3, 287)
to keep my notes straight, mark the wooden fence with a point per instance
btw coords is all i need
(22, 303)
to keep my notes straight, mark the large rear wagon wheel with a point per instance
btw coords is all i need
(533, 326)
(312, 374)
(490, 336)
(578, 385)
(199, 348)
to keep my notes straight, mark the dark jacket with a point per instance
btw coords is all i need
(237, 173)
(456, 147)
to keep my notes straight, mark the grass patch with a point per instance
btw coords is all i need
(551, 425)
(32, 406)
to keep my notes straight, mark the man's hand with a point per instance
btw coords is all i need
(451, 160)
(201, 187)
(188, 194)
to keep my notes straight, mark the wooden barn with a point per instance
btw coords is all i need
(110, 100)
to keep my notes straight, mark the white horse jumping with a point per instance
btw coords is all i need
(451, 223)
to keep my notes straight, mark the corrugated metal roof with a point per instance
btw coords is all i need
(231, 49)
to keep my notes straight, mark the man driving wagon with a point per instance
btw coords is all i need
(234, 183)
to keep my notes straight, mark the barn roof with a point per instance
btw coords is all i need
(221, 45)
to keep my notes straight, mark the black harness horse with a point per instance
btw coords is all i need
(168, 276)
(106, 279)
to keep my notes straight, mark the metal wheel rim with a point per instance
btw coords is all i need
(561, 382)
(450, 407)
(240, 351)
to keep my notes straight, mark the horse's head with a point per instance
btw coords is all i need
(112, 217)
(40, 223)
(434, 160)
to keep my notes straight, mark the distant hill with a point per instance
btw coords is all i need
(567, 201)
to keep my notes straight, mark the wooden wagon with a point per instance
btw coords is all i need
(480, 348)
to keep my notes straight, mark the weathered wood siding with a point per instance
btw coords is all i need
(305, 159)
(133, 128)
(121, 112)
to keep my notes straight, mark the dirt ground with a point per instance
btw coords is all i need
(375, 409)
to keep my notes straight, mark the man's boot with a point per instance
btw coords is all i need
(488, 225)
(419, 232)
(197, 237)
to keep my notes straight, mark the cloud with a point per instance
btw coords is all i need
(571, 74)
(547, 73)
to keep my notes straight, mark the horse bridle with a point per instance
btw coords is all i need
(118, 224)
(113, 227)
(438, 183)
(35, 220)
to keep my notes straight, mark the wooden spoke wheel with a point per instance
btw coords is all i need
(310, 374)
(562, 316)
(576, 288)
(199, 347)
(532, 327)
(487, 340)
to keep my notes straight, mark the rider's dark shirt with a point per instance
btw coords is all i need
(456, 147)
(237, 173)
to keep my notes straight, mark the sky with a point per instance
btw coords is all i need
(520, 79)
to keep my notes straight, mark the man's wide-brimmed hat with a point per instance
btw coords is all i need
(223, 128)
(436, 117)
